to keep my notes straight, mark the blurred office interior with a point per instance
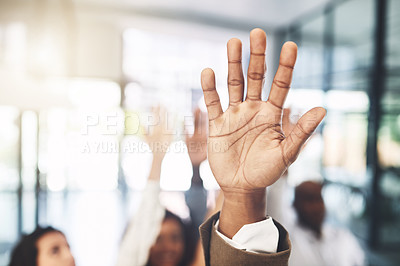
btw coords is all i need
(77, 76)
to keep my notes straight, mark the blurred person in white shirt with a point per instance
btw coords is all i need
(315, 242)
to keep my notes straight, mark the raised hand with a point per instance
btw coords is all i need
(158, 138)
(197, 143)
(247, 148)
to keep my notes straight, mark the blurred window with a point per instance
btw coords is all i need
(389, 131)
(9, 148)
(79, 146)
(334, 71)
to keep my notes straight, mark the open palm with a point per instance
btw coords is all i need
(247, 148)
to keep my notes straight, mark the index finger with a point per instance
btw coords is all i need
(211, 97)
(283, 77)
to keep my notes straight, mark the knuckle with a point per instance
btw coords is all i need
(255, 75)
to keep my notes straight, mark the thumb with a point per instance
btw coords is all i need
(301, 132)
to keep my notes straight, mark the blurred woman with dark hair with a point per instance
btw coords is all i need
(44, 247)
(155, 236)
(174, 244)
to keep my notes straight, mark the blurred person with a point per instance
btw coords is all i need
(155, 236)
(196, 196)
(43, 247)
(172, 244)
(248, 152)
(313, 241)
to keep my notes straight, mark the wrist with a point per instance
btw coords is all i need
(241, 207)
(196, 179)
(158, 157)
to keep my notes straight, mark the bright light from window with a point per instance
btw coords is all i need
(56, 180)
(8, 146)
(206, 174)
(15, 46)
(95, 167)
(82, 143)
(55, 159)
(136, 162)
(304, 99)
(8, 115)
(94, 93)
(29, 148)
(347, 101)
(176, 171)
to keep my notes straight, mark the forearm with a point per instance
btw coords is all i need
(240, 208)
(143, 228)
(155, 171)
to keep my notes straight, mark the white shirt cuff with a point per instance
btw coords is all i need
(260, 237)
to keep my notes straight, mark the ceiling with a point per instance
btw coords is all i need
(270, 14)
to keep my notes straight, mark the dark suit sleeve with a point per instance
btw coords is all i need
(219, 253)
